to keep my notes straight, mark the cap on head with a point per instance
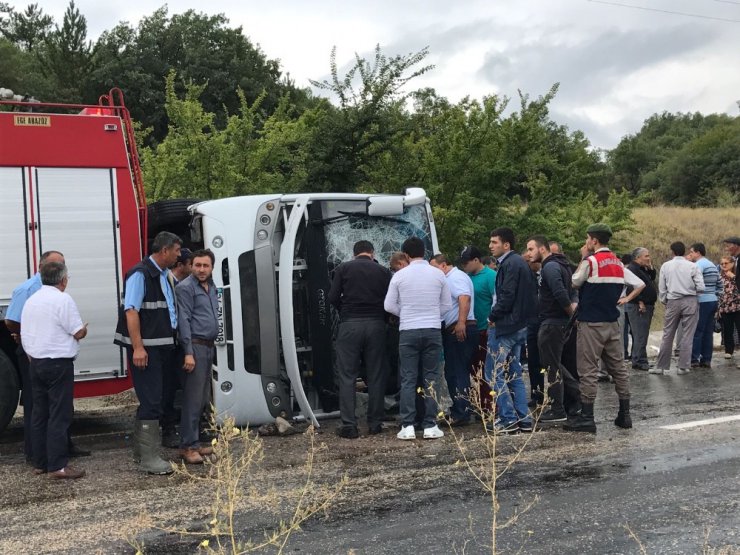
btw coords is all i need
(599, 228)
(469, 253)
(185, 255)
(734, 240)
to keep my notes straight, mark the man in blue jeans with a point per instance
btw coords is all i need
(514, 306)
(459, 339)
(701, 352)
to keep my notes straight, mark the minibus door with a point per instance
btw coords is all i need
(297, 218)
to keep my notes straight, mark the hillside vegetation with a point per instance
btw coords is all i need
(657, 227)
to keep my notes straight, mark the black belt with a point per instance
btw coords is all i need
(204, 342)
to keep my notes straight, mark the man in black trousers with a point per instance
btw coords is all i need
(52, 328)
(357, 292)
(555, 307)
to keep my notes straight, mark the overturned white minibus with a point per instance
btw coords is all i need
(275, 257)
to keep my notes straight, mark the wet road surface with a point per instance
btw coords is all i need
(678, 491)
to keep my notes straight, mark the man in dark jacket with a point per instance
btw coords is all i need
(147, 326)
(358, 292)
(556, 306)
(640, 309)
(513, 308)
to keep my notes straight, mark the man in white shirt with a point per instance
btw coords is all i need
(419, 296)
(52, 328)
(679, 285)
(459, 339)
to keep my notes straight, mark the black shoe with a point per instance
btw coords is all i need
(375, 429)
(75, 451)
(170, 438)
(347, 432)
(623, 419)
(500, 427)
(578, 423)
(205, 436)
(582, 422)
(695, 364)
(526, 427)
(705, 365)
(638, 367)
(550, 416)
(459, 423)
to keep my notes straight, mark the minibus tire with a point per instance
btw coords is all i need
(166, 213)
(9, 390)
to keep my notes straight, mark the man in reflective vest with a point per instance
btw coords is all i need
(601, 277)
(147, 326)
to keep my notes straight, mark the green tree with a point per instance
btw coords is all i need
(21, 73)
(25, 29)
(636, 160)
(66, 56)
(201, 49)
(706, 170)
(368, 123)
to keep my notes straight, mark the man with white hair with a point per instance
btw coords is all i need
(640, 309)
(52, 329)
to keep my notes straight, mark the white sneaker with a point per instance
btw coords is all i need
(407, 432)
(655, 371)
(728, 355)
(433, 433)
(683, 371)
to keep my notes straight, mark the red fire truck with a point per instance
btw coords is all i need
(70, 181)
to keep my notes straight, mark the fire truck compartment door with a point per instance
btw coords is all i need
(14, 234)
(285, 294)
(77, 215)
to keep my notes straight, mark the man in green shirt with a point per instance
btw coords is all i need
(484, 289)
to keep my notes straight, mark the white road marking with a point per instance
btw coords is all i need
(696, 423)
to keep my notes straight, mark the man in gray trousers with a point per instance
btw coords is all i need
(197, 303)
(680, 283)
(357, 292)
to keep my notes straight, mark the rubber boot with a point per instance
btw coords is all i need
(583, 422)
(149, 441)
(135, 442)
(623, 419)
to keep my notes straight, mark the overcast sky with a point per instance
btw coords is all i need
(616, 65)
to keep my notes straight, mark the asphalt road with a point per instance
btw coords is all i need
(664, 491)
(661, 490)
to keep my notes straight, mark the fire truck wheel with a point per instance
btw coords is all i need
(9, 390)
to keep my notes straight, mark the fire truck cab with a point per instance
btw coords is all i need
(70, 182)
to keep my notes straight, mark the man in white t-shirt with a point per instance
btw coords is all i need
(459, 338)
(52, 328)
(419, 296)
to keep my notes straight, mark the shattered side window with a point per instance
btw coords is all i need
(387, 234)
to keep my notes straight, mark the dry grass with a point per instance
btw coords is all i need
(657, 227)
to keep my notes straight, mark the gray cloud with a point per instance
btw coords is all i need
(590, 67)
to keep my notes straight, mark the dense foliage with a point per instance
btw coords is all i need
(686, 159)
(217, 118)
